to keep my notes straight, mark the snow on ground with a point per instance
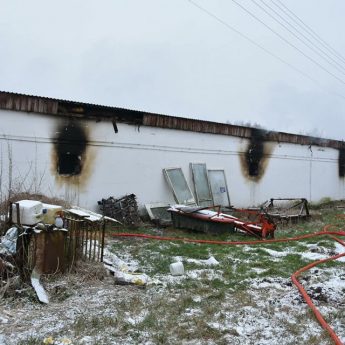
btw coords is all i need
(268, 311)
(211, 261)
(313, 253)
(275, 253)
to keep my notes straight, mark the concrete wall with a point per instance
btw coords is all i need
(131, 161)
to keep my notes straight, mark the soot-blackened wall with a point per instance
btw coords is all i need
(341, 162)
(255, 158)
(70, 147)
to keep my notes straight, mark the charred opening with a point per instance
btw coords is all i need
(341, 162)
(255, 152)
(70, 147)
(69, 164)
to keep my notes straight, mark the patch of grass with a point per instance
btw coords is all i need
(31, 341)
(149, 322)
(177, 315)
(86, 324)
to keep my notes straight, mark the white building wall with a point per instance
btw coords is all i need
(131, 161)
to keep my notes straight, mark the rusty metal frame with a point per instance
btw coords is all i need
(302, 203)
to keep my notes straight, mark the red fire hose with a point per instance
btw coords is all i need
(294, 276)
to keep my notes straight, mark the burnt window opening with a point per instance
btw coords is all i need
(255, 153)
(341, 162)
(253, 157)
(69, 164)
(70, 148)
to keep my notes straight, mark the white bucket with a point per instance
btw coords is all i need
(177, 269)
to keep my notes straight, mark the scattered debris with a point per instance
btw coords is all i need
(206, 220)
(41, 241)
(35, 282)
(177, 268)
(158, 213)
(124, 274)
(8, 243)
(50, 213)
(89, 215)
(124, 209)
(27, 212)
(287, 209)
(52, 341)
(211, 261)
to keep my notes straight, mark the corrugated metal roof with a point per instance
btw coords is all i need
(60, 107)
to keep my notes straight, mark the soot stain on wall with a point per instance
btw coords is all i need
(71, 155)
(341, 162)
(256, 156)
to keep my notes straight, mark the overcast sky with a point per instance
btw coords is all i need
(170, 57)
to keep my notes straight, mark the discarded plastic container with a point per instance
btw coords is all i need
(50, 213)
(211, 261)
(9, 241)
(177, 269)
(58, 222)
(30, 211)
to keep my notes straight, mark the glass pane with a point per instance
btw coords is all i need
(179, 185)
(202, 188)
(218, 187)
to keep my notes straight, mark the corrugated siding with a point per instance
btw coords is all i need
(28, 104)
(195, 125)
(171, 122)
(44, 105)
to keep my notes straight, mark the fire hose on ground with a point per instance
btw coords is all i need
(294, 277)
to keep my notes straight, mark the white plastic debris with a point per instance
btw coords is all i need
(58, 222)
(211, 261)
(177, 268)
(35, 282)
(9, 241)
(30, 212)
(89, 215)
(127, 277)
(113, 260)
(123, 273)
(50, 212)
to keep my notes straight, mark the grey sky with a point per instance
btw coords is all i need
(169, 57)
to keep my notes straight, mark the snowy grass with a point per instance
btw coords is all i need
(247, 298)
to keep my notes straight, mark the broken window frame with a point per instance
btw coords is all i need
(149, 208)
(202, 201)
(191, 200)
(209, 171)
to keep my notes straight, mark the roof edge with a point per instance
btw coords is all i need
(59, 107)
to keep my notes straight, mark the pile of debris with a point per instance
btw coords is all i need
(8, 246)
(124, 209)
(285, 210)
(47, 239)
